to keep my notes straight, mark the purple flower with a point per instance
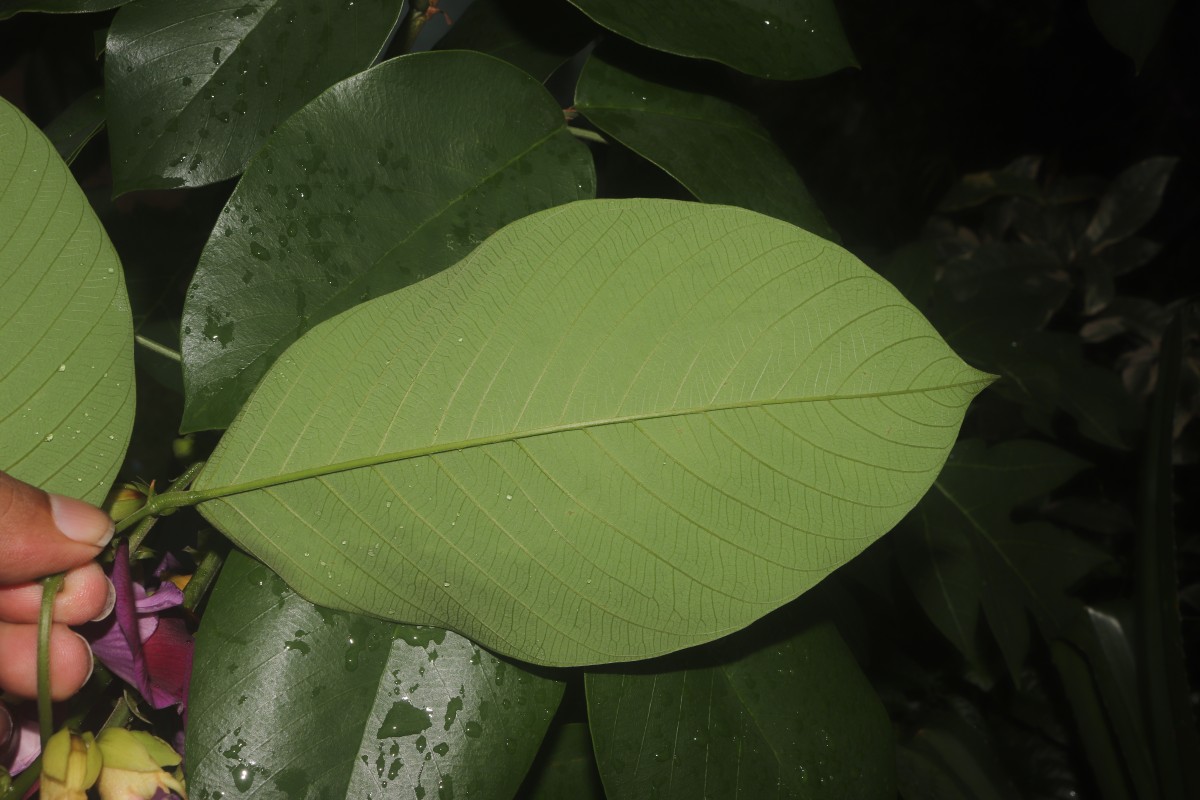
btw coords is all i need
(144, 643)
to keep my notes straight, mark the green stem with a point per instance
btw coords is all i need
(202, 578)
(146, 521)
(155, 347)
(587, 135)
(50, 589)
(412, 26)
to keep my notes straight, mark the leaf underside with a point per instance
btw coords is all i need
(66, 379)
(617, 429)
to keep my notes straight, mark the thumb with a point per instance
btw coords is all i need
(41, 534)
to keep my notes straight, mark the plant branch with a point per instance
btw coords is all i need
(50, 589)
(155, 347)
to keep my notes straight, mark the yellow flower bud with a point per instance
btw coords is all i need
(133, 762)
(125, 500)
(70, 764)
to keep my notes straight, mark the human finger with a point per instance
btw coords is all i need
(87, 596)
(70, 660)
(43, 534)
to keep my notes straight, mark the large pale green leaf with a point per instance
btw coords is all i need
(10, 7)
(715, 149)
(344, 205)
(787, 716)
(66, 380)
(290, 700)
(616, 429)
(194, 89)
(781, 39)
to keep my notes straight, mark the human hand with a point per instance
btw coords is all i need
(42, 534)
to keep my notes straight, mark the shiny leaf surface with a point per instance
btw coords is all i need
(781, 39)
(342, 206)
(789, 717)
(66, 381)
(10, 7)
(290, 700)
(616, 429)
(194, 89)
(715, 149)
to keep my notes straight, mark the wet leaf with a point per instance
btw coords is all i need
(291, 700)
(193, 91)
(718, 151)
(317, 225)
(616, 429)
(781, 39)
(66, 387)
(765, 714)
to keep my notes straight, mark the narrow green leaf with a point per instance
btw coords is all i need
(342, 206)
(194, 90)
(566, 770)
(781, 39)
(616, 429)
(780, 716)
(718, 151)
(537, 36)
(292, 700)
(1090, 722)
(66, 386)
(75, 127)
(1172, 725)
(10, 8)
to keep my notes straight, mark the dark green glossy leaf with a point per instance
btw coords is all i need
(290, 700)
(194, 89)
(566, 769)
(1131, 26)
(75, 127)
(760, 714)
(342, 206)
(10, 7)
(1025, 567)
(66, 377)
(534, 35)
(715, 149)
(781, 39)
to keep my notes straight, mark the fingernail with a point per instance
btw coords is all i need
(80, 521)
(110, 602)
(6, 729)
(91, 658)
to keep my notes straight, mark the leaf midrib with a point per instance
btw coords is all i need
(214, 493)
